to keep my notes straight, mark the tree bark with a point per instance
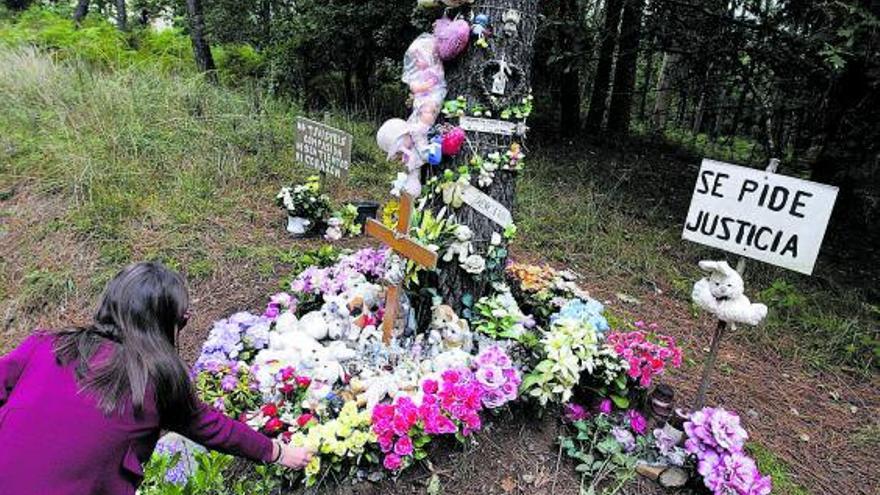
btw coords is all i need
(121, 15)
(463, 77)
(664, 91)
(602, 79)
(82, 9)
(201, 48)
(625, 70)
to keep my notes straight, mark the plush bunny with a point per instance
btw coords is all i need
(721, 293)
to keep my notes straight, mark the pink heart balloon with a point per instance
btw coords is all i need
(452, 37)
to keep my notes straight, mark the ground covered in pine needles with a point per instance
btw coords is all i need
(102, 169)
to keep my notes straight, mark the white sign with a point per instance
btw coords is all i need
(761, 215)
(486, 206)
(501, 127)
(322, 147)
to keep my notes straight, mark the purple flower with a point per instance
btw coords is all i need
(490, 377)
(605, 406)
(711, 428)
(624, 438)
(575, 412)
(637, 422)
(229, 382)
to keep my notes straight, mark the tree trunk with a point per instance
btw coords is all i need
(602, 79)
(625, 69)
(121, 15)
(664, 91)
(467, 76)
(646, 84)
(201, 48)
(570, 79)
(82, 9)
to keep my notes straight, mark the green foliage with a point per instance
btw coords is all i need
(97, 42)
(43, 287)
(213, 474)
(600, 458)
(833, 328)
(770, 465)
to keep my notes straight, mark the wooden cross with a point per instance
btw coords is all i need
(398, 240)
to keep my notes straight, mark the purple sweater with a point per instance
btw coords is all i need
(55, 440)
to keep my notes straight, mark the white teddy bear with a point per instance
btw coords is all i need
(721, 294)
(336, 317)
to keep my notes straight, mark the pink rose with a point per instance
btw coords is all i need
(392, 462)
(404, 446)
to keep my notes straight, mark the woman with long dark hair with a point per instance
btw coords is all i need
(82, 409)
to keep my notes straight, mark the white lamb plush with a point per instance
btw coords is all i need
(721, 293)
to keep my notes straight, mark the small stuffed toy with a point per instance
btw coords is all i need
(721, 294)
(454, 331)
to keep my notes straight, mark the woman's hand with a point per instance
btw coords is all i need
(293, 457)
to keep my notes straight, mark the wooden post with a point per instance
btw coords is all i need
(721, 327)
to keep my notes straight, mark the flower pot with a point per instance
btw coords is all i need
(366, 209)
(298, 226)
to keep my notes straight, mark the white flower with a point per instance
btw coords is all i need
(496, 239)
(474, 264)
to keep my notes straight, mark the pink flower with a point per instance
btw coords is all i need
(429, 387)
(637, 422)
(392, 462)
(386, 441)
(605, 406)
(404, 446)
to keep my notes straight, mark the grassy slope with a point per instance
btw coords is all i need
(143, 162)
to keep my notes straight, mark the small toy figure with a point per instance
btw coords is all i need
(480, 29)
(511, 20)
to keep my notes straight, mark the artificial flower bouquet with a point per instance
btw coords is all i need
(305, 204)
(716, 439)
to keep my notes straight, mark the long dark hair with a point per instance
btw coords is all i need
(141, 312)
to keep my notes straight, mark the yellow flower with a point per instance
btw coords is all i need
(314, 467)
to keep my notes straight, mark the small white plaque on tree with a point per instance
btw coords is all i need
(490, 126)
(322, 147)
(486, 206)
(765, 216)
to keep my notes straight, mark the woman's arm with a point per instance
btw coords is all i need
(12, 365)
(216, 431)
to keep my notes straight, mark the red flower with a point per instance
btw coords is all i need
(303, 381)
(304, 419)
(273, 426)
(287, 373)
(270, 410)
(288, 388)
